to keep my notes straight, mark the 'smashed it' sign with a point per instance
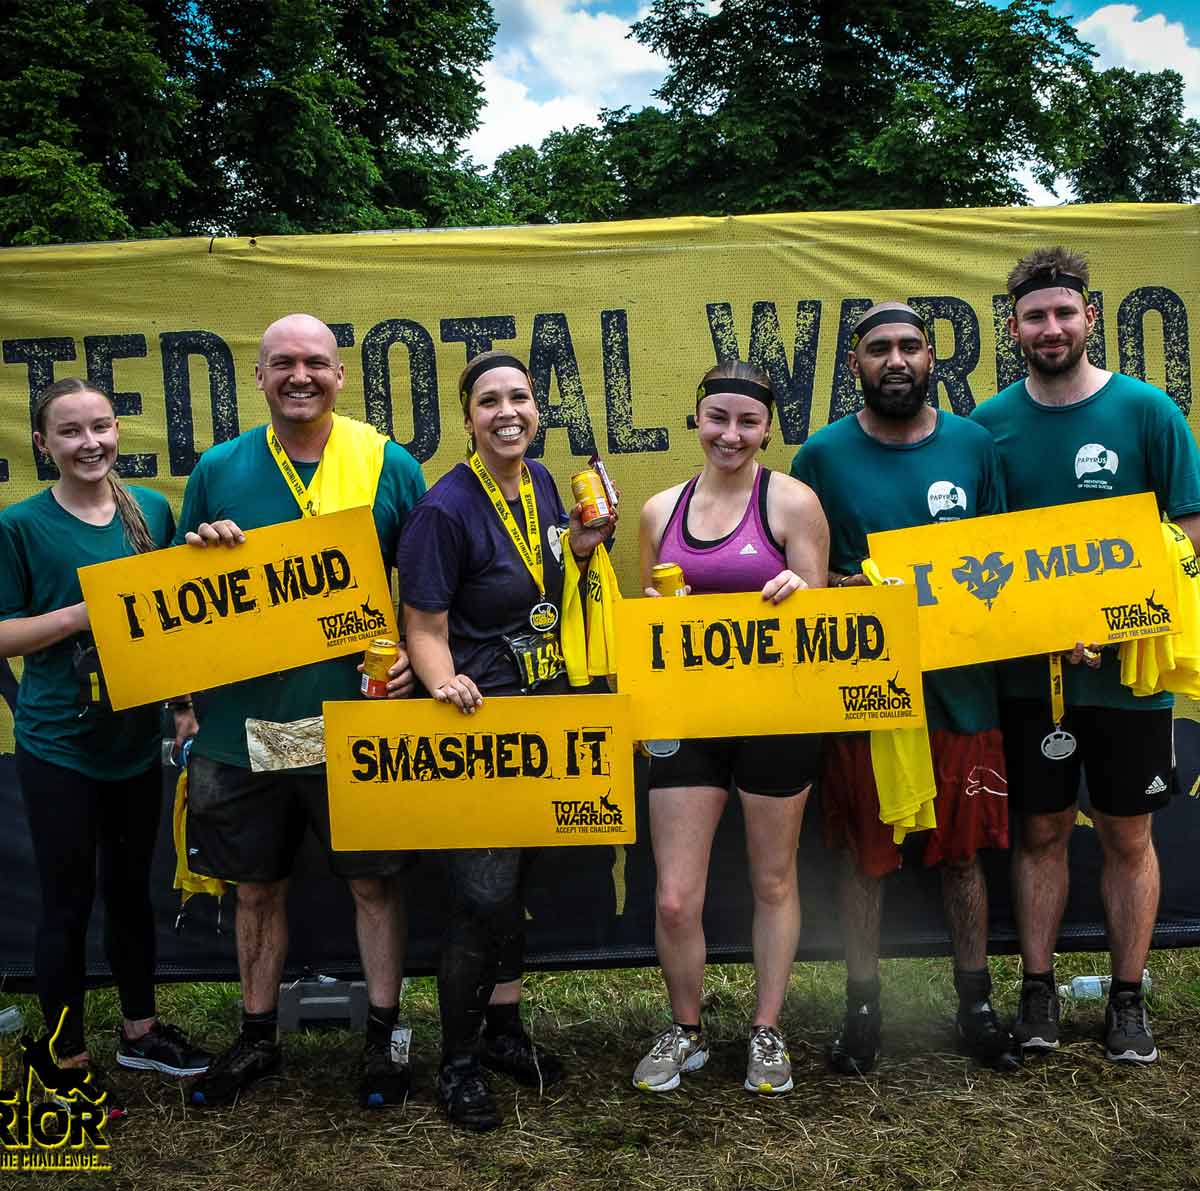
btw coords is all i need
(735, 665)
(187, 619)
(1036, 581)
(520, 772)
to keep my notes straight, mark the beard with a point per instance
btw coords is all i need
(1067, 364)
(898, 405)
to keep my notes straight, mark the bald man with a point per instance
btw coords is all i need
(896, 463)
(245, 826)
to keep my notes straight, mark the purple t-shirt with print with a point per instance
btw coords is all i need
(454, 556)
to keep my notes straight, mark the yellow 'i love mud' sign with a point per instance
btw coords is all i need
(186, 619)
(737, 665)
(1036, 581)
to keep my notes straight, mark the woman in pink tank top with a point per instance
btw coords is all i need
(736, 527)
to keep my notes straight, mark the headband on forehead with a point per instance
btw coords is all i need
(473, 374)
(1045, 281)
(729, 384)
(880, 317)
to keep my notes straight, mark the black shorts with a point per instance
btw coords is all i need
(246, 826)
(1127, 755)
(778, 766)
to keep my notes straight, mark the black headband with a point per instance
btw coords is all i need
(473, 374)
(1044, 281)
(730, 384)
(880, 317)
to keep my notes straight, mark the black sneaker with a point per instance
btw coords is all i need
(518, 1056)
(464, 1093)
(385, 1082)
(235, 1070)
(98, 1091)
(1036, 1027)
(1127, 1036)
(855, 1050)
(164, 1048)
(982, 1036)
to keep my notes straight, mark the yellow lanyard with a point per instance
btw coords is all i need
(531, 550)
(307, 498)
(1057, 707)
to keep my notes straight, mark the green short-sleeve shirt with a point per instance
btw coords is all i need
(41, 548)
(1126, 438)
(241, 481)
(866, 486)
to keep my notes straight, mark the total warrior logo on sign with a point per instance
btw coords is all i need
(891, 701)
(586, 816)
(57, 1120)
(1132, 620)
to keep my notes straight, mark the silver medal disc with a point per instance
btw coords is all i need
(543, 617)
(661, 748)
(1058, 745)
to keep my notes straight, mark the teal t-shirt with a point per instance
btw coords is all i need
(240, 480)
(41, 548)
(866, 486)
(1126, 438)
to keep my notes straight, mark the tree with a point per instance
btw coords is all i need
(568, 179)
(1130, 141)
(833, 104)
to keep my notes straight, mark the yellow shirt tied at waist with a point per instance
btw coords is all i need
(903, 768)
(1153, 664)
(588, 640)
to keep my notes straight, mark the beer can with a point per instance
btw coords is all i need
(377, 661)
(589, 493)
(667, 579)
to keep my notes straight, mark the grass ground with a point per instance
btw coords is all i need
(928, 1118)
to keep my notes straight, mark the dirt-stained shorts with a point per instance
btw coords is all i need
(971, 805)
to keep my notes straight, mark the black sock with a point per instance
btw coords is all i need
(1046, 978)
(1123, 986)
(972, 985)
(381, 1022)
(688, 1029)
(261, 1027)
(862, 992)
(502, 1019)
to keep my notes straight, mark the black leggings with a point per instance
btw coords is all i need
(485, 939)
(75, 821)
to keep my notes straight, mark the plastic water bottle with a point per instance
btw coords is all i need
(11, 1021)
(1094, 988)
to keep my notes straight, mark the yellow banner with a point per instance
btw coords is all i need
(187, 619)
(618, 322)
(1036, 581)
(734, 665)
(520, 772)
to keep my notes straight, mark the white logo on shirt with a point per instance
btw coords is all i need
(554, 535)
(748, 548)
(946, 499)
(1156, 787)
(1095, 457)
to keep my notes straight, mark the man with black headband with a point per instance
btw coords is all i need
(897, 463)
(1070, 431)
(247, 826)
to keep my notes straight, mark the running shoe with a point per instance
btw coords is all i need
(385, 1082)
(234, 1071)
(982, 1035)
(769, 1067)
(518, 1056)
(1127, 1036)
(855, 1050)
(164, 1048)
(466, 1097)
(675, 1052)
(1036, 1027)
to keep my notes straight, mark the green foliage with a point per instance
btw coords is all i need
(1131, 142)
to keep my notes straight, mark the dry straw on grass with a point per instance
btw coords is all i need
(928, 1118)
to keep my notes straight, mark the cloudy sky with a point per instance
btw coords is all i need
(558, 62)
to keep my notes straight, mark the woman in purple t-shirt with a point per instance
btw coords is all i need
(481, 608)
(736, 527)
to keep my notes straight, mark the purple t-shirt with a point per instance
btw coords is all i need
(454, 556)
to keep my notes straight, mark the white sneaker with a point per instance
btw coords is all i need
(675, 1051)
(769, 1069)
